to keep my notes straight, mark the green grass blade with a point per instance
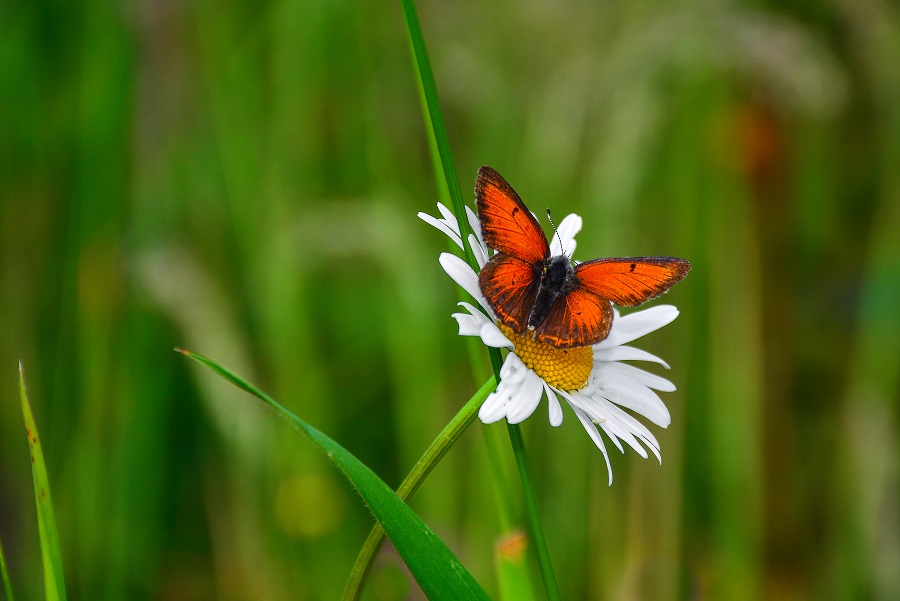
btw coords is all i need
(434, 123)
(54, 583)
(432, 564)
(411, 483)
(434, 118)
(4, 573)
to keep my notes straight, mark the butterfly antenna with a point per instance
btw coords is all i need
(555, 231)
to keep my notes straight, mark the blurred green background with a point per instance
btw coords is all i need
(242, 178)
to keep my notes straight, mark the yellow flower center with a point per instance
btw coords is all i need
(565, 369)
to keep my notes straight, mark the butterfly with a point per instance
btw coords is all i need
(559, 303)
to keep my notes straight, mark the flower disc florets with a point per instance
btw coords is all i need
(565, 369)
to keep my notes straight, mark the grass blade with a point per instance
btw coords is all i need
(432, 564)
(4, 573)
(434, 123)
(410, 485)
(54, 583)
(434, 118)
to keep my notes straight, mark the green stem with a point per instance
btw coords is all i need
(534, 518)
(410, 485)
(435, 119)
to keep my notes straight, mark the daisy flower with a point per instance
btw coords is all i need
(593, 380)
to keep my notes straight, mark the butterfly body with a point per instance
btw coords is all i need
(560, 304)
(557, 277)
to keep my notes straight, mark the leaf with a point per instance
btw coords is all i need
(438, 572)
(54, 583)
(432, 456)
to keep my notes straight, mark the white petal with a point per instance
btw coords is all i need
(631, 437)
(615, 430)
(632, 326)
(476, 226)
(441, 226)
(567, 230)
(639, 375)
(570, 226)
(626, 353)
(612, 420)
(478, 250)
(653, 448)
(595, 436)
(611, 433)
(512, 378)
(553, 406)
(615, 413)
(471, 324)
(493, 409)
(493, 337)
(527, 400)
(449, 218)
(592, 409)
(468, 324)
(463, 275)
(475, 312)
(633, 395)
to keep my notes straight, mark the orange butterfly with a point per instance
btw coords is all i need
(562, 305)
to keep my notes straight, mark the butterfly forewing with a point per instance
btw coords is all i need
(631, 281)
(578, 318)
(510, 287)
(506, 223)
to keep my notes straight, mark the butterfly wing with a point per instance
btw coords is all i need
(631, 281)
(506, 223)
(510, 287)
(577, 318)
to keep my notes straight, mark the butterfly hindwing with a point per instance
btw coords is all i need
(629, 282)
(578, 318)
(510, 287)
(506, 223)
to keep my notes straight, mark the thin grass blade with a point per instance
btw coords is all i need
(54, 583)
(434, 124)
(4, 573)
(434, 118)
(436, 569)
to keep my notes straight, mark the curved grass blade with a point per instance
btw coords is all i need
(54, 583)
(4, 573)
(432, 564)
(410, 485)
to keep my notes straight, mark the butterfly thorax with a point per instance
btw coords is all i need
(557, 276)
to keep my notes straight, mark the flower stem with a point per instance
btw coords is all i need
(551, 588)
(531, 509)
(432, 456)
(434, 119)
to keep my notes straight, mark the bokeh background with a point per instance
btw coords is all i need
(242, 178)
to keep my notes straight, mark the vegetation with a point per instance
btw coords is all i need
(242, 179)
